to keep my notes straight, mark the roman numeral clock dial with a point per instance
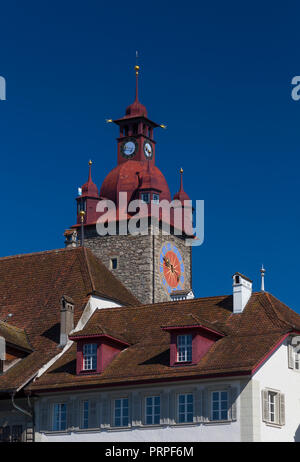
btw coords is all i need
(171, 268)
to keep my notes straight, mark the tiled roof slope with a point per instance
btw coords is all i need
(31, 286)
(249, 337)
(15, 336)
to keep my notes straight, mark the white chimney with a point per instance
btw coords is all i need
(242, 290)
(66, 318)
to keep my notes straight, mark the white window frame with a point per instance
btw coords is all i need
(273, 406)
(155, 198)
(185, 411)
(122, 416)
(219, 410)
(152, 406)
(184, 348)
(143, 198)
(57, 422)
(89, 356)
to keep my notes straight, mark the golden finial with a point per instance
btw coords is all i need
(163, 126)
(136, 67)
(90, 162)
(181, 170)
(108, 121)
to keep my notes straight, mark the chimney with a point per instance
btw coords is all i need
(71, 238)
(2, 353)
(242, 290)
(66, 318)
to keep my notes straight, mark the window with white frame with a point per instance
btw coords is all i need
(59, 416)
(273, 407)
(219, 405)
(152, 410)
(184, 348)
(89, 356)
(185, 407)
(145, 197)
(155, 198)
(294, 354)
(85, 414)
(121, 412)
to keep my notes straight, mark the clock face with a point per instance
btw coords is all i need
(129, 148)
(148, 151)
(171, 268)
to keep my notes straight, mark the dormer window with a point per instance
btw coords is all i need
(95, 351)
(145, 197)
(190, 342)
(184, 348)
(89, 356)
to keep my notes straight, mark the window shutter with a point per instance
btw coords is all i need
(198, 406)
(106, 418)
(70, 413)
(265, 407)
(44, 416)
(164, 407)
(233, 405)
(173, 407)
(76, 413)
(281, 409)
(93, 414)
(136, 409)
(290, 356)
(206, 405)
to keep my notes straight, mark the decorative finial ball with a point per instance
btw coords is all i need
(181, 170)
(82, 213)
(90, 162)
(137, 68)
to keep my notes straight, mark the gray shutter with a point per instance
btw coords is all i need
(136, 409)
(233, 405)
(206, 405)
(76, 413)
(265, 407)
(70, 414)
(164, 407)
(281, 409)
(105, 412)
(44, 416)
(290, 356)
(93, 413)
(198, 406)
(173, 407)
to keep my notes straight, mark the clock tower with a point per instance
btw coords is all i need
(152, 265)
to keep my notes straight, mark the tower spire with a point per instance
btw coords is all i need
(137, 68)
(90, 170)
(181, 179)
(262, 272)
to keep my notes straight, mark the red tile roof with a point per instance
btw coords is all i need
(249, 337)
(31, 286)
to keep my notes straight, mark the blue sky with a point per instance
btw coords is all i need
(218, 74)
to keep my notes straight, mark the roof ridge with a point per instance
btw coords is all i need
(23, 255)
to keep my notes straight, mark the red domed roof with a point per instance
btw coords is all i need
(136, 109)
(128, 177)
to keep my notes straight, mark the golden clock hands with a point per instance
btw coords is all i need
(167, 262)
